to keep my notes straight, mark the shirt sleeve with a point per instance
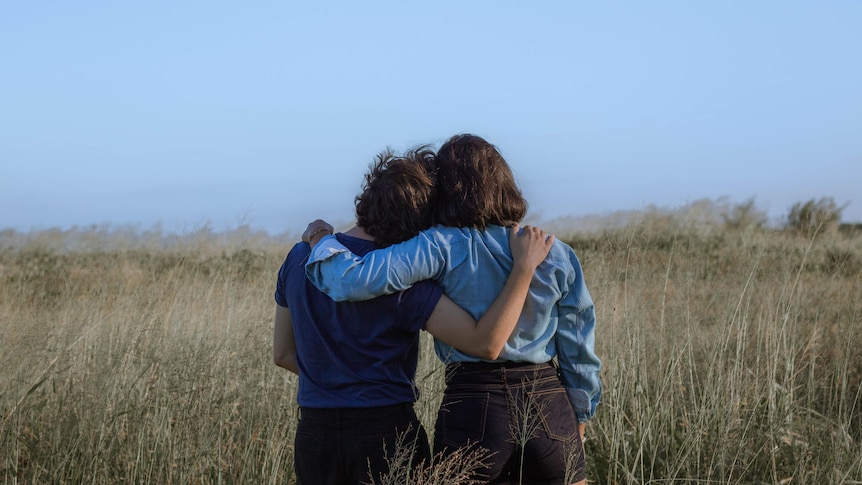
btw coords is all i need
(422, 299)
(280, 298)
(575, 345)
(344, 276)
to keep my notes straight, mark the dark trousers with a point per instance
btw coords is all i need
(520, 413)
(350, 446)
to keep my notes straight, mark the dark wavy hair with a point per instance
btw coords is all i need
(475, 186)
(397, 196)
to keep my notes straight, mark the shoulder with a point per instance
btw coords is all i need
(444, 235)
(356, 245)
(294, 261)
(444, 232)
(298, 252)
(563, 256)
(458, 234)
(562, 251)
(291, 273)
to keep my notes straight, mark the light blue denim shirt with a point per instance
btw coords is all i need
(472, 266)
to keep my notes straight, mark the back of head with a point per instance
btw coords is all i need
(396, 200)
(475, 186)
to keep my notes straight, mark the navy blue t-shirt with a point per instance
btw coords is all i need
(354, 354)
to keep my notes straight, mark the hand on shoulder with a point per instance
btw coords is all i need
(530, 245)
(316, 230)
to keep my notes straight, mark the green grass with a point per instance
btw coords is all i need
(728, 358)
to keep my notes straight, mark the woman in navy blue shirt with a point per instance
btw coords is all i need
(357, 361)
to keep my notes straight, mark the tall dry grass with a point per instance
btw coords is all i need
(728, 358)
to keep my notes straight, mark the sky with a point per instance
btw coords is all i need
(184, 114)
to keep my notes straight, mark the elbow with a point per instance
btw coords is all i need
(491, 355)
(494, 348)
(286, 361)
(487, 352)
(290, 365)
(494, 354)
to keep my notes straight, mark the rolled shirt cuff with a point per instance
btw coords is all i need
(327, 247)
(580, 403)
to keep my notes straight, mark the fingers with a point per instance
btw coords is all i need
(531, 231)
(530, 247)
(514, 232)
(535, 232)
(321, 224)
(316, 227)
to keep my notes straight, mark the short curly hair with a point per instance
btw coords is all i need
(397, 196)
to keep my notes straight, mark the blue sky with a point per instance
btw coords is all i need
(268, 113)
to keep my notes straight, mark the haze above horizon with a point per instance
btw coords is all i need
(269, 113)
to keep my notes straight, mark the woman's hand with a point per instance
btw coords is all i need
(530, 247)
(316, 230)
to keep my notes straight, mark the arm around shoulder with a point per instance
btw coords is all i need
(485, 339)
(344, 276)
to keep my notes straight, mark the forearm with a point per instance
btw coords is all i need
(288, 362)
(576, 341)
(487, 337)
(579, 364)
(498, 322)
(317, 235)
(344, 276)
(283, 341)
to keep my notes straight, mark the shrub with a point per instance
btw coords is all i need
(743, 216)
(814, 216)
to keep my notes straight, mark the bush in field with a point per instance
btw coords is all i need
(743, 216)
(814, 216)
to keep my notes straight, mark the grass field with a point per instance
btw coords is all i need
(729, 357)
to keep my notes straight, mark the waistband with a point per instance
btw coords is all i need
(489, 366)
(354, 413)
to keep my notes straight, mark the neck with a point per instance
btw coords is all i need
(359, 233)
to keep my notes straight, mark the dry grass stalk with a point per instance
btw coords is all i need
(730, 357)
